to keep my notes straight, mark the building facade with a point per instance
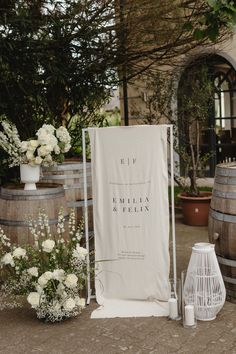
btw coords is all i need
(218, 136)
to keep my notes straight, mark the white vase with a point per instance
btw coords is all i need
(29, 175)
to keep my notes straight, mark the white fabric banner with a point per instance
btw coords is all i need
(131, 220)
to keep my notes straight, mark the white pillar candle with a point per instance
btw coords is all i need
(173, 308)
(189, 315)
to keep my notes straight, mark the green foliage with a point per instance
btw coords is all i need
(112, 118)
(219, 14)
(54, 62)
(195, 103)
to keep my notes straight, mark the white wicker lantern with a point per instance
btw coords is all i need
(204, 287)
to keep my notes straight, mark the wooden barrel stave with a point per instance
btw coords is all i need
(16, 205)
(223, 204)
(222, 224)
(228, 269)
(225, 244)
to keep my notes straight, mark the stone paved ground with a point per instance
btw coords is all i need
(21, 332)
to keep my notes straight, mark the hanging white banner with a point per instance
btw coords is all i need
(131, 220)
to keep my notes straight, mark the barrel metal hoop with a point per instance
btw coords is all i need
(226, 171)
(75, 186)
(223, 217)
(34, 193)
(78, 203)
(225, 180)
(33, 197)
(72, 176)
(229, 280)
(41, 191)
(61, 177)
(226, 261)
(22, 223)
(68, 166)
(75, 166)
(227, 195)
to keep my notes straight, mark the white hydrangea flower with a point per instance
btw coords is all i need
(63, 135)
(80, 252)
(19, 253)
(42, 137)
(48, 245)
(67, 147)
(48, 159)
(8, 259)
(39, 289)
(33, 271)
(33, 144)
(57, 150)
(48, 275)
(44, 278)
(52, 141)
(44, 132)
(71, 281)
(38, 160)
(80, 301)
(24, 146)
(42, 281)
(46, 137)
(47, 128)
(58, 274)
(44, 150)
(29, 155)
(34, 299)
(69, 304)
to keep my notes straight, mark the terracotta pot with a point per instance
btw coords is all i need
(196, 209)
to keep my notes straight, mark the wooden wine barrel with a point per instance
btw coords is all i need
(222, 224)
(70, 174)
(16, 205)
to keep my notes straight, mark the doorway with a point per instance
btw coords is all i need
(218, 133)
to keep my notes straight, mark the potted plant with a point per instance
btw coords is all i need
(195, 103)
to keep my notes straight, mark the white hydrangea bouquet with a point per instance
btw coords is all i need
(51, 273)
(46, 149)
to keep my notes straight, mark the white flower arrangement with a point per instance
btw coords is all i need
(51, 273)
(47, 149)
